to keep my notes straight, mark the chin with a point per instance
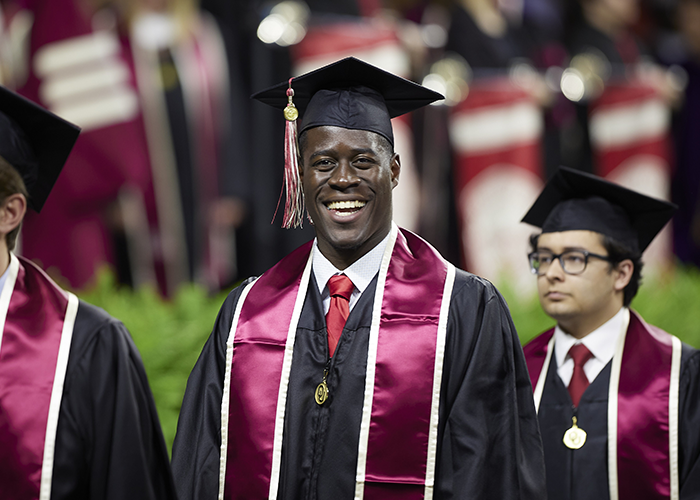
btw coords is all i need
(557, 311)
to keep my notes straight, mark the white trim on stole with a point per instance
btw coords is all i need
(57, 396)
(437, 380)
(674, 391)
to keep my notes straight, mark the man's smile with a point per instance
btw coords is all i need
(345, 208)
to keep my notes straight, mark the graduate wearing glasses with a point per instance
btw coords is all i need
(616, 397)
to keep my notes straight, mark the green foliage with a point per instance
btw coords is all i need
(170, 333)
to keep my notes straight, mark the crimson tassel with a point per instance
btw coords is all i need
(294, 202)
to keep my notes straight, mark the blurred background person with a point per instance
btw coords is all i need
(686, 179)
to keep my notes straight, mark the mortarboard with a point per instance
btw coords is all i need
(348, 93)
(35, 142)
(573, 200)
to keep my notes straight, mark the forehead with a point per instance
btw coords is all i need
(332, 138)
(559, 241)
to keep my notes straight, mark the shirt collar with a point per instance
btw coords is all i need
(361, 272)
(601, 342)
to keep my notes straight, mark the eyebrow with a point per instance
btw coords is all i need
(566, 249)
(332, 152)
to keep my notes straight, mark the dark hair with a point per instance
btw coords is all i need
(11, 183)
(617, 252)
(384, 144)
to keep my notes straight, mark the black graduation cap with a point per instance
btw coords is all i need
(348, 93)
(35, 142)
(351, 94)
(574, 200)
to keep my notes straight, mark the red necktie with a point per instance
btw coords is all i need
(580, 354)
(340, 288)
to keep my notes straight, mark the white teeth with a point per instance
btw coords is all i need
(339, 205)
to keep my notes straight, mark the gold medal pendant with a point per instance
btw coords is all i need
(575, 437)
(321, 393)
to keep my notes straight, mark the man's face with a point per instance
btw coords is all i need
(348, 176)
(580, 303)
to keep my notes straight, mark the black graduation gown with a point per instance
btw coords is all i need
(109, 444)
(488, 440)
(583, 474)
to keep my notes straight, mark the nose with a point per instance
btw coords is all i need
(555, 271)
(344, 176)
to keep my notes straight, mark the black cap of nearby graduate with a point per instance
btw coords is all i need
(348, 93)
(573, 200)
(35, 142)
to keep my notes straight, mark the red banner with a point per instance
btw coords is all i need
(629, 129)
(496, 137)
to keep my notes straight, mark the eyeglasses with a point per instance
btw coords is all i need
(572, 261)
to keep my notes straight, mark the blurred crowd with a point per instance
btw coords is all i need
(177, 173)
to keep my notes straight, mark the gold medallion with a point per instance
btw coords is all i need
(575, 437)
(321, 394)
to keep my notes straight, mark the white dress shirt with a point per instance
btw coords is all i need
(600, 342)
(360, 272)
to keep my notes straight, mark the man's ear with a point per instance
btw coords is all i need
(623, 274)
(395, 170)
(12, 212)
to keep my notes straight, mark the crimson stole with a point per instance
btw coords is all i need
(397, 447)
(642, 423)
(29, 356)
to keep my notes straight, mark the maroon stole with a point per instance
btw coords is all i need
(643, 438)
(404, 370)
(36, 326)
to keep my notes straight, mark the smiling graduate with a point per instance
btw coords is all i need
(362, 365)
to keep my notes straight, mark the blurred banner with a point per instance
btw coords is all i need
(137, 189)
(496, 134)
(377, 43)
(630, 126)
(86, 77)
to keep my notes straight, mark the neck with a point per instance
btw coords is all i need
(4, 256)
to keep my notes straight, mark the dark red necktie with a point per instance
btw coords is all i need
(580, 354)
(340, 288)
